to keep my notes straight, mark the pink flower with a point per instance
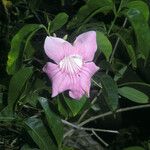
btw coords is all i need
(73, 67)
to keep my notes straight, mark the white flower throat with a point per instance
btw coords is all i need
(71, 64)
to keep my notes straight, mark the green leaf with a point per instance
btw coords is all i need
(110, 91)
(89, 10)
(120, 73)
(134, 148)
(104, 44)
(39, 134)
(141, 29)
(18, 46)
(141, 6)
(53, 120)
(16, 86)
(133, 94)
(67, 148)
(62, 106)
(75, 105)
(27, 147)
(32, 99)
(58, 22)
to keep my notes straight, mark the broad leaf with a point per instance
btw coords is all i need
(18, 45)
(58, 22)
(75, 105)
(141, 6)
(53, 120)
(39, 134)
(110, 91)
(87, 11)
(17, 83)
(133, 94)
(16, 86)
(141, 29)
(104, 44)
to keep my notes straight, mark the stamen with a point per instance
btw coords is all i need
(71, 64)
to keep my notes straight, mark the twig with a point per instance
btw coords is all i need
(86, 111)
(117, 42)
(100, 139)
(83, 128)
(96, 83)
(110, 113)
(84, 114)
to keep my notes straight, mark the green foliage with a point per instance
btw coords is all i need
(58, 22)
(130, 51)
(110, 91)
(37, 130)
(18, 46)
(89, 10)
(123, 41)
(74, 105)
(15, 88)
(133, 94)
(142, 31)
(54, 121)
(104, 44)
(141, 6)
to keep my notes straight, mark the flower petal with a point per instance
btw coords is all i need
(88, 70)
(60, 80)
(86, 45)
(51, 69)
(56, 48)
(76, 90)
(60, 83)
(76, 94)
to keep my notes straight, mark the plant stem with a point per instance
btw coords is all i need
(96, 83)
(112, 24)
(117, 42)
(100, 139)
(86, 111)
(111, 113)
(86, 129)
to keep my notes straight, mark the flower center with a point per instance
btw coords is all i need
(71, 64)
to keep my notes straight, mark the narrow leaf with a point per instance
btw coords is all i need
(133, 94)
(141, 6)
(39, 134)
(16, 86)
(110, 91)
(141, 29)
(17, 47)
(91, 8)
(58, 22)
(54, 121)
(104, 44)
